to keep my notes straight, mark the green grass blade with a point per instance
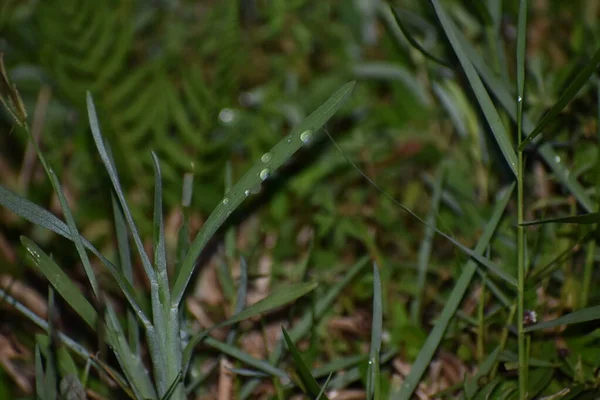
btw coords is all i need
(61, 283)
(491, 266)
(172, 387)
(324, 388)
(125, 264)
(583, 219)
(244, 357)
(277, 298)
(183, 236)
(568, 94)
(426, 244)
(499, 89)
(311, 386)
(39, 216)
(160, 254)
(483, 98)
(373, 378)
(39, 375)
(435, 337)
(268, 164)
(114, 178)
(576, 317)
(413, 42)
(241, 295)
(302, 327)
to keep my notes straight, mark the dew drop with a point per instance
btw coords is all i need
(247, 192)
(226, 116)
(264, 174)
(266, 157)
(289, 139)
(519, 99)
(225, 201)
(557, 159)
(306, 135)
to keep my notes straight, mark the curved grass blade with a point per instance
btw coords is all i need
(244, 357)
(276, 299)
(413, 42)
(576, 317)
(483, 98)
(373, 378)
(583, 219)
(435, 337)
(495, 269)
(114, 178)
(268, 164)
(498, 89)
(62, 283)
(307, 321)
(39, 216)
(311, 386)
(569, 93)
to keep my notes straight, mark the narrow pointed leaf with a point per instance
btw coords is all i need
(488, 108)
(413, 41)
(435, 337)
(568, 94)
(576, 317)
(61, 283)
(278, 155)
(373, 384)
(583, 219)
(308, 381)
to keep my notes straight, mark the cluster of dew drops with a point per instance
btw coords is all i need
(265, 159)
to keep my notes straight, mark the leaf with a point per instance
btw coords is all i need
(489, 111)
(373, 378)
(268, 164)
(413, 41)
(435, 337)
(277, 298)
(61, 283)
(568, 94)
(583, 219)
(576, 317)
(311, 386)
(39, 216)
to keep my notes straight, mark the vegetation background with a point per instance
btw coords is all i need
(211, 87)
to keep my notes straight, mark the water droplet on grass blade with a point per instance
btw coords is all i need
(306, 136)
(266, 157)
(557, 159)
(264, 174)
(247, 193)
(225, 201)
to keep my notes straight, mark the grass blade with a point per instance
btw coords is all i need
(268, 164)
(483, 98)
(373, 378)
(311, 386)
(568, 94)
(495, 269)
(498, 89)
(160, 254)
(276, 299)
(583, 219)
(324, 388)
(61, 282)
(39, 216)
(413, 42)
(114, 178)
(459, 290)
(244, 357)
(426, 244)
(125, 264)
(576, 317)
